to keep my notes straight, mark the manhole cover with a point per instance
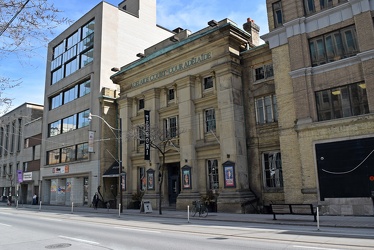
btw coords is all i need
(61, 245)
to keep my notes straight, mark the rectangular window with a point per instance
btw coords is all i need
(13, 137)
(56, 101)
(71, 67)
(82, 151)
(73, 39)
(85, 88)
(73, 53)
(170, 127)
(88, 29)
(6, 149)
(140, 104)
(53, 157)
(170, 94)
(25, 166)
(141, 135)
(277, 12)
(58, 50)
(272, 164)
(309, 7)
(266, 109)
(69, 123)
(83, 120)
(57, 75)
(68, 154)
(213, 182)
(208, 82)
(333, 46)
(325, 4)
(210, 120)
(259, 73)
(19, 135)
(70, 94)
(264, 72)
(54, 128)
(344, 101)
(86, 57)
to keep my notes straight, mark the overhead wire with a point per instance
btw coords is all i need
(14, 17)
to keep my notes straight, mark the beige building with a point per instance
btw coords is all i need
(322, 52)
(262, 129)
(77, 152)
(20, 143)
(185, 96)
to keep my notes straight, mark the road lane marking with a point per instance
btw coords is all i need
(52, 219)
(79, 240)
(317, 248)
(139, 230)
(6, 225)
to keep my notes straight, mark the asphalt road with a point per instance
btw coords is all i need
(25, 229)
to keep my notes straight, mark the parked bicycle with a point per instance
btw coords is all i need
(199, 207)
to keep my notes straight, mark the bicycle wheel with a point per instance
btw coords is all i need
(193, 211)
(204, 212)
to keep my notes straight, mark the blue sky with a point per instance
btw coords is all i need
(188, 14)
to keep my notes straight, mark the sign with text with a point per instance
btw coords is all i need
(60, 170)
(27, 176)
(147, 130)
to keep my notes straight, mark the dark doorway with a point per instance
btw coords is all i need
(346, 168)
(173, 182)
(23, 194)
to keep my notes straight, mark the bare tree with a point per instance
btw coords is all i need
(164, 141)
(25, 25)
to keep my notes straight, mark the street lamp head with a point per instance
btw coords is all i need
(89, 117)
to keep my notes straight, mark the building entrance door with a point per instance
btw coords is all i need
(173, 182)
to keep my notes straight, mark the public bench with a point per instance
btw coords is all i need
(298, 209)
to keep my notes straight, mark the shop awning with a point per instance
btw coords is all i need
(112, 171)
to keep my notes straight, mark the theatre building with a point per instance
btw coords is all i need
(189, 89)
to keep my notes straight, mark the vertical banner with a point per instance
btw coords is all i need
(91, 135)
(147, 142)
(20, 176)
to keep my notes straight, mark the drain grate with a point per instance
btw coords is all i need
(61, 245)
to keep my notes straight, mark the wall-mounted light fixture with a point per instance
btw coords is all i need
(114, 69)
(185, 160)
(140, 55)
(174, 39)
(228, 155)
(212, 23)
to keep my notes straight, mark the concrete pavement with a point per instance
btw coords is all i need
(305, 220)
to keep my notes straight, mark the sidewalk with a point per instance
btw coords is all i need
(304, 220)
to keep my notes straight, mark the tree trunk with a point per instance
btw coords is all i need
(161, 180)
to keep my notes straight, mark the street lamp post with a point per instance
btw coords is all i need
(119, 139)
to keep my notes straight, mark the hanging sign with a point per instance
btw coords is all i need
(147, 128)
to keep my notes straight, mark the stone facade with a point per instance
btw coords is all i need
(204, 73)
(303, 131)
(20, 142)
